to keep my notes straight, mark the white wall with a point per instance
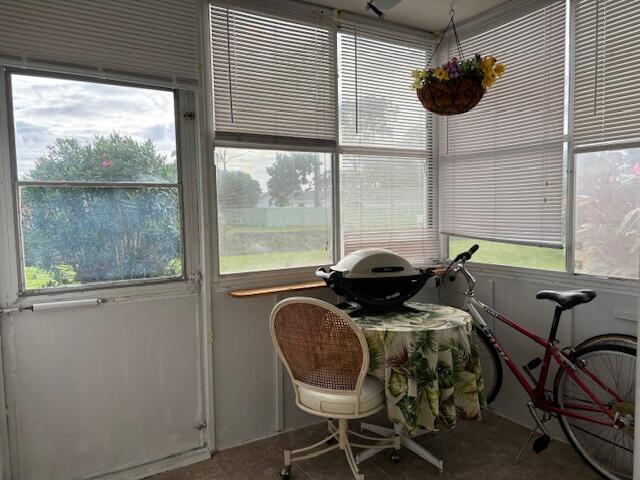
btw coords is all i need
(96, 390)
(245, 371)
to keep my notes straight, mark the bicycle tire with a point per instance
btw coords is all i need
(569, 430)
(490, 362)
(611, 338)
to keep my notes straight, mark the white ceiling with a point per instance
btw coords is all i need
(432, 15)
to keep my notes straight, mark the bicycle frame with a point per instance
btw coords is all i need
(537, 391)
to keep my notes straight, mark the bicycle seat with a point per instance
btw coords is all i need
(567, 299)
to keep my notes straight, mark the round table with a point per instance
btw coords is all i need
(423, 354)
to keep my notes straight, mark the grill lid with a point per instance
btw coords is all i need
(374, 263)
(375, 278)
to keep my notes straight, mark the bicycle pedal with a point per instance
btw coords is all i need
(541, 443)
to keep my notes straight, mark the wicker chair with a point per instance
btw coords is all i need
(327, 357)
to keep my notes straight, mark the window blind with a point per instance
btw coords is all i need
(274, 71)
(607, 52)
(387, 173)
(501, 164)
(142, 37)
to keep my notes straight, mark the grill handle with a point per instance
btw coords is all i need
(322, 273)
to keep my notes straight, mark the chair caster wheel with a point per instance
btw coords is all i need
(395, 458)
(285, 473)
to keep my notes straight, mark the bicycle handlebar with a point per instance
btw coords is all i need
(460, 259)
(464, 256)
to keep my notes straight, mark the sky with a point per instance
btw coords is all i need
(48, 108)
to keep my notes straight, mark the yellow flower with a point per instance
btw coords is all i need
(441, 74)
(489, 79)
(499, 69)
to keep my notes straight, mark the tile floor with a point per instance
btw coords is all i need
(471, 451)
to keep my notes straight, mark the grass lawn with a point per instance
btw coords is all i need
(510, 254)
(36, 278)
(490, 252)
(272, 261)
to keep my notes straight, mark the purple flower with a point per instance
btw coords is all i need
(453, 69)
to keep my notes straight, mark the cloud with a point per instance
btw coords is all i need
(31, 142)
(47, 108)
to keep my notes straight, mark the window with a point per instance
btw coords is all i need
(274, 88)
(274, 72)
(607, 220)
(98, 182)
(502, 163)
(501, 253)
(606, 136)
(274, 209)
(387, 172)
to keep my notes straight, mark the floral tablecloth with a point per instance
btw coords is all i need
(424, 355)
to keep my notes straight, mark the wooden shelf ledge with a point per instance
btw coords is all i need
(293, 287)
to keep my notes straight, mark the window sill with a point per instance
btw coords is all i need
(112, 292)
(551, 278)
(265, 278)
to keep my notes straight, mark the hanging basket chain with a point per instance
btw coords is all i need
(457, 86)
(452, 25)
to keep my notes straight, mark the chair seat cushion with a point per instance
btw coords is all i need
(371, 398)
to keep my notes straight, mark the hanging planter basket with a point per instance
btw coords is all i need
(451, 97)
(458, 85)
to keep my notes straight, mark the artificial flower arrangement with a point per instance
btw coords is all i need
(457, 86)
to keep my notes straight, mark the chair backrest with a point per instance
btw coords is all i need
(320, 345)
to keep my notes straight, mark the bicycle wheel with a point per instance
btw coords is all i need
(610, 338)
(489, 364)
(607, 449)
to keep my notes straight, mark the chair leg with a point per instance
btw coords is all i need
(338, 438)
(343, 439)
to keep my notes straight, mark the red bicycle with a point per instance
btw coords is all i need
(593, 390)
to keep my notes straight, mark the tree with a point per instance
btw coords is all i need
(291, 173)
(225, 156)
(102, 234)
(237, 189)
(608, 213)
(114, 158)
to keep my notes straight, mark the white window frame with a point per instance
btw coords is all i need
(617, 284)
(288, 275)
(426, 155)
(262, 277)
(186, 149)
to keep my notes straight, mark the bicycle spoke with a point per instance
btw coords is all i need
(608, 449)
